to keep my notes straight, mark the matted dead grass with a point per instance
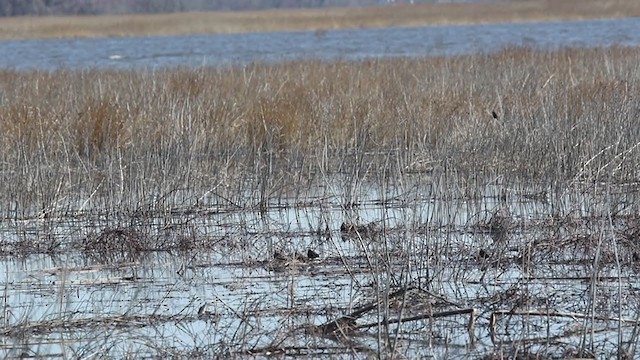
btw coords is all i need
(312, 19)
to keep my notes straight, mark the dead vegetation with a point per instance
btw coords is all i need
(117, 245)
(525, 222)
(246, 136)
(415, 290)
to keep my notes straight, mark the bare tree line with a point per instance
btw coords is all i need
(98, 7)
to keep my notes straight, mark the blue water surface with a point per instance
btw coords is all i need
(237, 49)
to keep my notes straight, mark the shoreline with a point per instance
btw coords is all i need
(198, 23)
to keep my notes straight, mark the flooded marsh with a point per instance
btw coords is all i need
(419, 275)
(399, 208)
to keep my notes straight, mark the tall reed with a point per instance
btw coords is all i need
(123, 139)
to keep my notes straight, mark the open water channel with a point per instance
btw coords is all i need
(237, 49)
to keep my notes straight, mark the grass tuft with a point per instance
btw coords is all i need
(116, 245)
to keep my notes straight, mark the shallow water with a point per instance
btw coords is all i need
(237, 49)
(232, 297)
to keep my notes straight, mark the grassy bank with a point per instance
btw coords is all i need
(128, 135)
(316, 19)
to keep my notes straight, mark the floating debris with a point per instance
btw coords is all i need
(117, 245)
(351, 231)
(282, 261)
(500, 225)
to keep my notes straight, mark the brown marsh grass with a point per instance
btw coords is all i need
(74, 140)
(312, 19)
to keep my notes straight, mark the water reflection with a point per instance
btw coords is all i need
(440, 254)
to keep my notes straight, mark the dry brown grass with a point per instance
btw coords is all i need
(70, 137)
(317, 19)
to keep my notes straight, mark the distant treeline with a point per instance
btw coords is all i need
(98, 7)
